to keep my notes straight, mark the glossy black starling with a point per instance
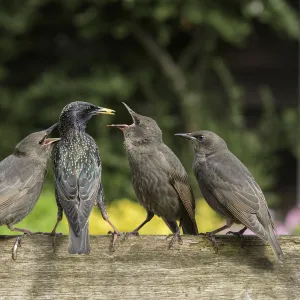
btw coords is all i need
(158, 177)
(22, 176)
(230, 189)
(77, 171)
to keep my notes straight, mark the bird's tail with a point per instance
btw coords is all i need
(189, 226)
(265, 232)
(275, 243)
(80, 244)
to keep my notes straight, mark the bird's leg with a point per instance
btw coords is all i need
(58, 220)
(135, 232)
(25, 231)
(114, 233)
(239, 234)
(212, 234)
(18, 240)
(175, 236)
(101, 205)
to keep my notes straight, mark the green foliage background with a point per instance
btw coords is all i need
(160, 57)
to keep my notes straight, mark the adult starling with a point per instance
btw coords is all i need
(22, 176)
(158, 177)
(77, 171)
(230, 189)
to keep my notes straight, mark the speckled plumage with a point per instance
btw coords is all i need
(77, 170)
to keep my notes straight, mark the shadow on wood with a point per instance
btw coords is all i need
(143, 268)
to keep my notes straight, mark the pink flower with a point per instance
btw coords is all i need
(292, 220)
(281, 229)
(249, 232)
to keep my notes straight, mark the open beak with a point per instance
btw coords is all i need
(128, 108)
(48, 141)
(123, 126)
(186, 136)
(133, 114)
(120, 126)
(50, 129)
(105, 111)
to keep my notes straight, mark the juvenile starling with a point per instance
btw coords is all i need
(77, 171)
(158, 177)
(230, 189)
(22, 176)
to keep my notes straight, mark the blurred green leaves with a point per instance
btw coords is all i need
(160, 57)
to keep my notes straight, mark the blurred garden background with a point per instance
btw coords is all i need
(227, 66)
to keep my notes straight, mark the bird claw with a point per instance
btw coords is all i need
(49, 233)
(54, 235)
(115, 235)
(18, 241)
(174, 236)
(133, 233)
(212, 237)
(16, 245)
(239, 234)
(115, 232)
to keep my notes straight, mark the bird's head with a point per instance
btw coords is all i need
(76, 114)
(205, 142)
(37, 144)
(143, 130)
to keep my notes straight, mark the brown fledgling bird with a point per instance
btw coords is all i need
(22, 176)
(230, 189)
(158, 177)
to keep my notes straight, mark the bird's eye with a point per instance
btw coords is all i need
(137, 122)
(201, 138)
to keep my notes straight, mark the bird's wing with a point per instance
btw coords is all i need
(234, 186)
(179, 180)
(77, 186)
(17, 178)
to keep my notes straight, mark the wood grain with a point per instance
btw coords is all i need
(143, 268)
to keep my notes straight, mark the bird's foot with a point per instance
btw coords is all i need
(49, 233)
(18, 242)
(26, 231)
(212, 237)
(115, 235)
(175, 236)
(54, 234)
(132, 233)
(239, 234)
(16, 245)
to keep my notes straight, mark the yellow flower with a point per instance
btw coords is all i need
(125, 214)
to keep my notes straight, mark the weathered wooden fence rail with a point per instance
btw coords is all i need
(143, 268)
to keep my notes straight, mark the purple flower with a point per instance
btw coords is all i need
(292, 220)
(249, 232)
(281, 229)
